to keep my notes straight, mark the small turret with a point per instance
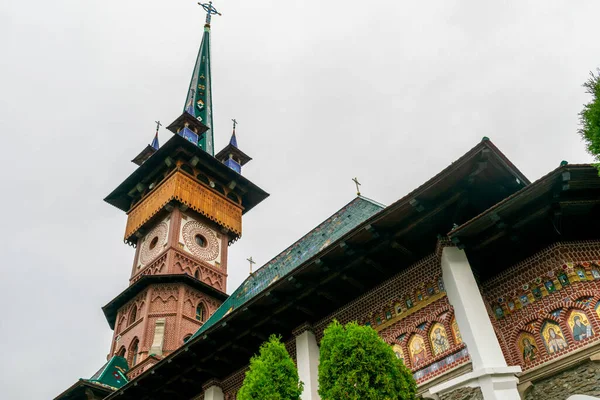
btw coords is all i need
(231, 155)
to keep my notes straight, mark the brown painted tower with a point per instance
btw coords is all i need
(184, 207)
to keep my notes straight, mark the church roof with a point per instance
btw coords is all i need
(343, 221)
(112, 374)
(109, 378)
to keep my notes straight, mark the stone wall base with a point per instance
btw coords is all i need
(582, 379)
(465, 393)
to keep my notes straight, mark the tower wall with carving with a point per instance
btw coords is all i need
(176, 304)
(183, 243)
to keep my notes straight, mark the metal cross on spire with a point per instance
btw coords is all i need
(210, 10)
(158, 125)
(234, 123)
(355, 180)
(252, 262)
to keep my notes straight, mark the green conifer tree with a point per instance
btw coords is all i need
(589, 117)
(356, 364)
(272, 374)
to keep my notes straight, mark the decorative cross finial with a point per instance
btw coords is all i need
(355, 180)
(210, 10)
(234, 124)
(158, 125)
(252, 262)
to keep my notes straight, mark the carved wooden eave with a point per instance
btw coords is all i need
(191, 193)
(173, 154)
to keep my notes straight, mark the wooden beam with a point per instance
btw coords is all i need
(353, 282)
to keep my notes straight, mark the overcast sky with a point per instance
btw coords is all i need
(389, 91)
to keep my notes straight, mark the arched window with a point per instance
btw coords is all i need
(121, 352)
(200, 312)
(186, 338)
(132, 315)
(133, 352)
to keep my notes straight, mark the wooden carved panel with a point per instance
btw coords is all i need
(193, 194)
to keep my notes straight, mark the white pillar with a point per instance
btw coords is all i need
(490, 372)
(307, 357)
(214, 393)
(471, 315)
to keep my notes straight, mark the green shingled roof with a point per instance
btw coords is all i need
(343, 221)
(112, 374)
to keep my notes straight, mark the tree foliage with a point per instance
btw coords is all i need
(590, 116)
(355, 363)
(272, 374)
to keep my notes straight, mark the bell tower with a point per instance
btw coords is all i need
(184, 208)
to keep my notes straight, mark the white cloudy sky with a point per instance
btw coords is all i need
(389, 91)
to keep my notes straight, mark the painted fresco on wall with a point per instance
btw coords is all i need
(418, 353)
(598, 309)
(456, 332)
(553, 338)
(439, 339)
(527, 347)
(580, 326)
(398, 351)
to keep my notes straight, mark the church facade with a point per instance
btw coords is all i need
(485, 284)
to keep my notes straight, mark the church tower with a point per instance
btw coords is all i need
(184, 208)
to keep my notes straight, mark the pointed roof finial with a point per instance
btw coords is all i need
(210, 10)
(155, 144)
(233, 140)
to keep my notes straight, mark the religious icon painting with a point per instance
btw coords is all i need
(553, 338)
(441, 284)
(499, 312)
(563, 279)
(409, 302)
(595, 273)
(419, 296)
(524, 300)
(580, 325)
(550, 286)
(456, 331)
(511, 306)
(388, 315)
(581, 274)
(378, 321)
(398, 351)
(537, 293)
(398, 308)
(430, 290)
(527, 347)
(438, 339)
(418, 353)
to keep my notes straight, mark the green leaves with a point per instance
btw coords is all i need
(589, 117)
(356, 364)
(272, 374)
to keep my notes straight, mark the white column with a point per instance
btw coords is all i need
(471, 315)
(214, 393)
(307, 357)
(490, 372)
